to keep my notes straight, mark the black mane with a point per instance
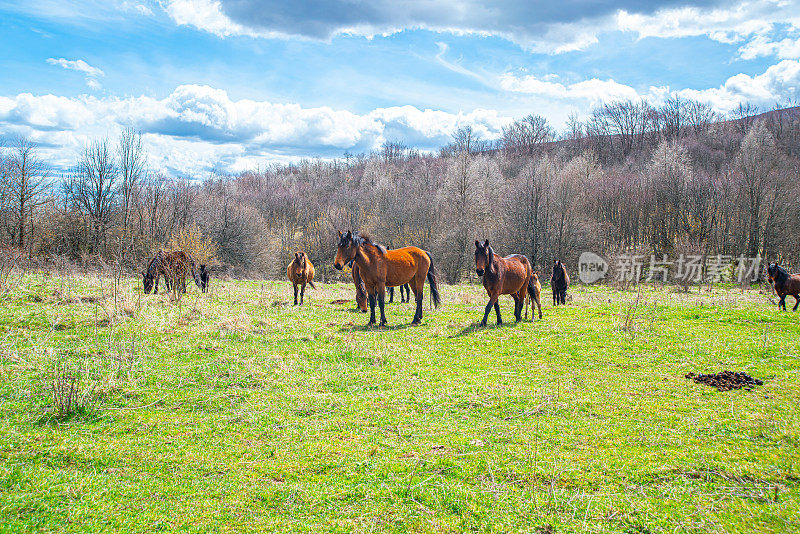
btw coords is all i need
(365, 239)
(781, 274)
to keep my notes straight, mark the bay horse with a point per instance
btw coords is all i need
(534, 296)
(559, 283)
(380, 268)
(174, 267)
(785, 284)
(502, 276)
(300, 272)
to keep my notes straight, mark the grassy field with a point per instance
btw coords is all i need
(235, 411)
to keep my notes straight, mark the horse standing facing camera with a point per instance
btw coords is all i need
(300, 272)
(559, 283)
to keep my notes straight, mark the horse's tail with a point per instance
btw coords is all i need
(311, 283)
(433, 280)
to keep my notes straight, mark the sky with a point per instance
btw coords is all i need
(223, 86)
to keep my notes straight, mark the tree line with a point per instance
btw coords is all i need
(632, 177)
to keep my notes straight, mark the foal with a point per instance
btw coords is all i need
(300, 272)
(785, 284)
(502, 276)
(535, 295)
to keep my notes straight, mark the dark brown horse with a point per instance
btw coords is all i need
(559, 283)
(785, 284)
(300, 272)
(502, 276)
(174, 267)
(205, 277)
(380, 268)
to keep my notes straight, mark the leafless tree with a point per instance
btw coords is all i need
(93, 186)
(524, 136)
(29, 176)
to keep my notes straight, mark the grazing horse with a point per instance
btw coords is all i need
(300, 272)
(535, 295)
(502, 276)
(174, 267)
(380, 268)
(361, 291)
(205, 276)
(785, 284)
(405, 293)
(559, 282)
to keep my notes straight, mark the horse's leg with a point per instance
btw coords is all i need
(555, 297)
(391, 294)
(497, 311)
(492, 302)
(381, 302)
(563, 296)
(302, 292)
(538, 302)
(782, 303)
(371, 308)
(295, 293)
(796, 301)
(517, 307)
(418, 285)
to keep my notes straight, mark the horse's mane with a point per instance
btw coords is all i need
(150, 268)
(782, 274)
(365, 239)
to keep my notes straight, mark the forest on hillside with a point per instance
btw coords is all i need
(632, 177)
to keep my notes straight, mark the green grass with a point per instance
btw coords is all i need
(235, 411)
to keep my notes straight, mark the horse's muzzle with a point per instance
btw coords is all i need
(479, 271)
(338, 267)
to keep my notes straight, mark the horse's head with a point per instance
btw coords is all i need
(772, 270)
(483, 257)
(299, 262)
(147, 282)
(346, 251)
(558, 270)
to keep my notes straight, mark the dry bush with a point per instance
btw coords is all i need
(10, 271)
(191, 240)
(73, 389)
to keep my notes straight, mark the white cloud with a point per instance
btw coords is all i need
(197, 128)
(538, 26)
(92, 73)
(779, 84)
(762, 45)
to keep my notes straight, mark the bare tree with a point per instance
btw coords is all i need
(523, 137)
(29, 180)
(757, 161)
(132, 165)
(93, 186)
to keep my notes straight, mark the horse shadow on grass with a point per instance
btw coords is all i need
(375, 328)
(476, 327)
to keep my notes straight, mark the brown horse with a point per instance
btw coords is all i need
(300, 272)
(174, 266)
(559, 283)
(502, 276)
(785, 284)
(380, 268)
(535, 295)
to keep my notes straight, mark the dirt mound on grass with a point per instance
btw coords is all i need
(727, 380)
(340, 301)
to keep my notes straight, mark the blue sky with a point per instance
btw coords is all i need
(231, 84)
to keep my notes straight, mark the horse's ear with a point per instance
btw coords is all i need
(486, 243)
(349, 234)
(477, 244)
(339, 232)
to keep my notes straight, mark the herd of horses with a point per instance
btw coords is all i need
(376, 271)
